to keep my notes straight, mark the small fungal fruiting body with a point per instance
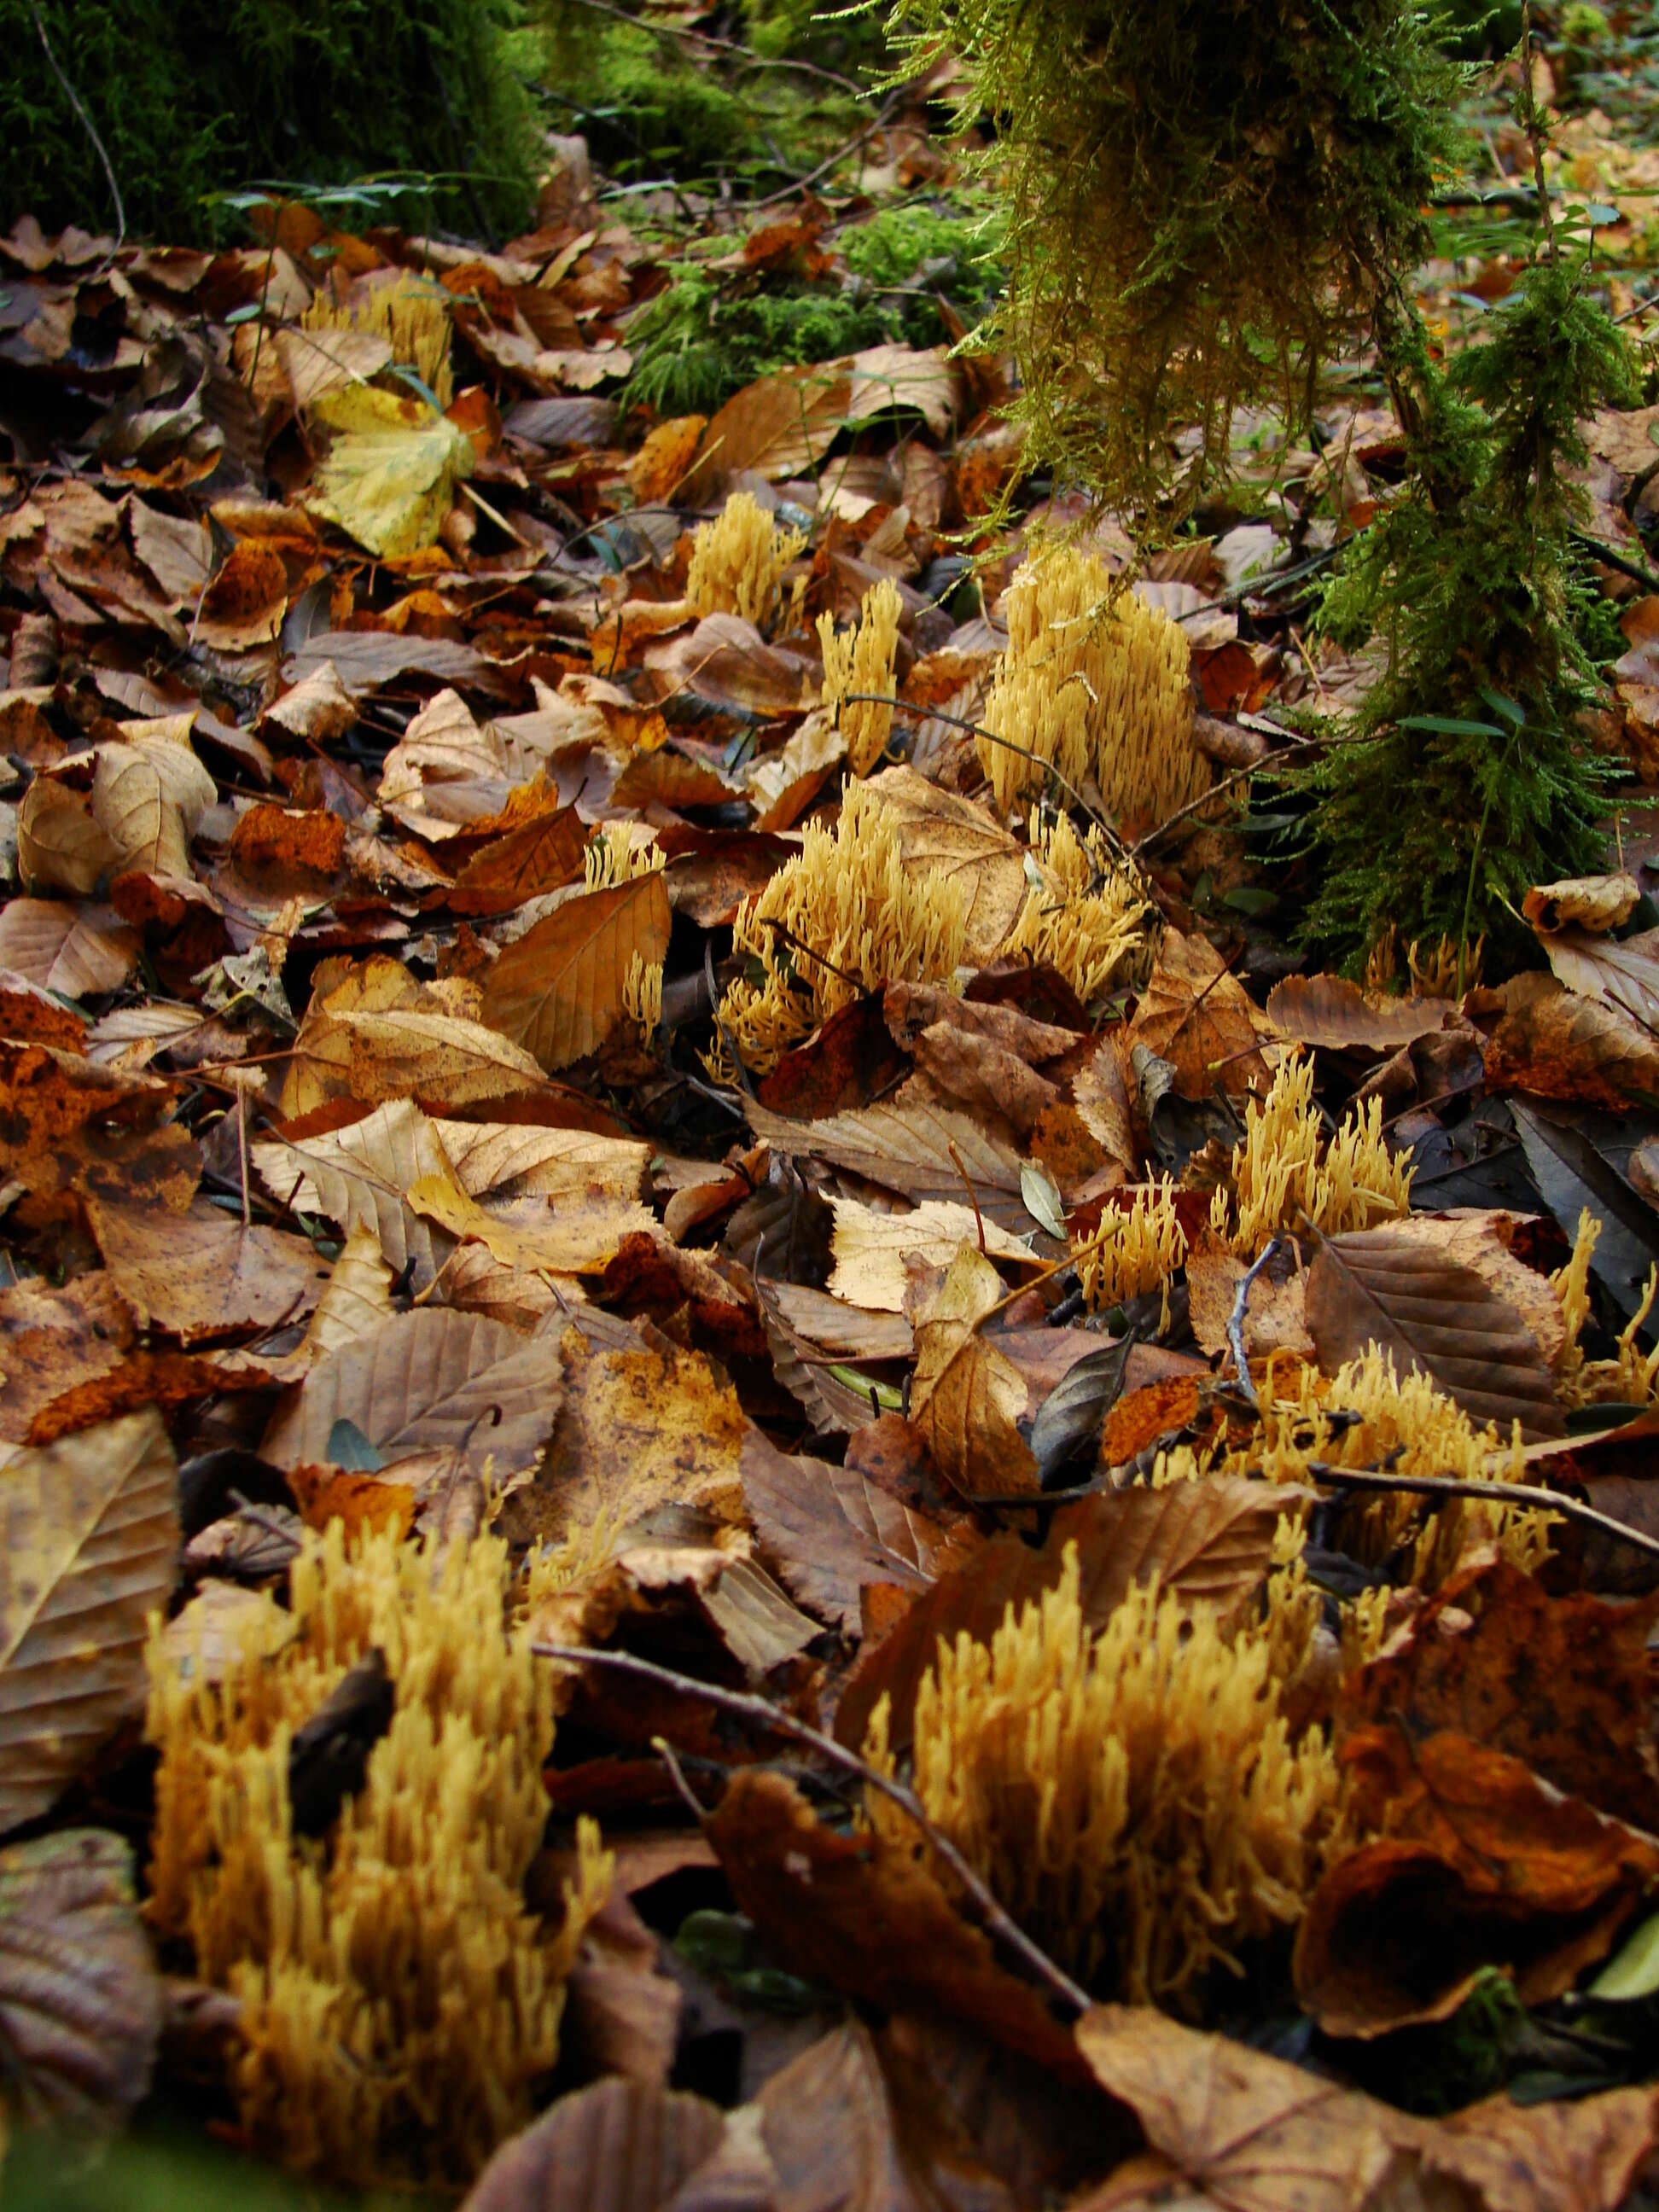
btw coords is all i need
(739, 560)
(1284, 1172)
(1095, 682)
(857, 662)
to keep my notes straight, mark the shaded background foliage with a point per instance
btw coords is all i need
(193, 99)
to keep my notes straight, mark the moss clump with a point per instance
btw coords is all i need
(193, 100)
(1200, 198)
(1464, 779)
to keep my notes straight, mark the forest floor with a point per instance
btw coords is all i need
(740, 1444)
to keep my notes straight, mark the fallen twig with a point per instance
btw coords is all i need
(1236, 1321)
(743, 1706)
(1500, 1493)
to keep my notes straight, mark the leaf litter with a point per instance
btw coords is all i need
(684, 1324)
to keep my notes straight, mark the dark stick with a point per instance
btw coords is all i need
(738, 1703)
(1500, 1493)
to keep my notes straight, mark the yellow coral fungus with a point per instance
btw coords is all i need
(1095, 681)
(616, 856)
(642, 996)
(1409, 1427)
(1133, 1250)
(411, 313)
(1631, 1377)
(1133, 1799)
(851, 917)
(860, 661)
(398, 1997)
(1085, 919)
(1281, 1171)
(738, 560)
(1435, 976)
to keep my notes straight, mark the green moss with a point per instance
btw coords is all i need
(1463, 780)
(709, 334)
(194, 99)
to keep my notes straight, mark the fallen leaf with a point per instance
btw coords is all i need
(91, 1549)
(358, 1177)
(1483, 1863)
(558, 989)
(966, 1397)
(1429, 1311)
(77, 951)
(616, 2146)
(1623, 972)
(202, 1274)
(431, 1378)
(392, 466)
(1551, 1043)
(1559, 1682)
(838, 1909)
(1194, 1014)
(1330, 1011)
(245, 603)
(873, 1251)
(805, 1534)
(52, 1339)
(922, 1149)
(1596, 903)
(81, 2004)
(780, 426)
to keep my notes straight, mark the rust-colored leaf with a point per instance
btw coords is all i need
(558, 989)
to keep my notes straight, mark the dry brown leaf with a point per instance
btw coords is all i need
(358, 1177)
(805, 1535)
(81, 2001)
(433, 1378)
(779, 427)
(66, 1122)
(201, 1273)
(149, 793)
(357, 1299)
(875, 1924)
(539, 855)
(1553, 1043)
(641, 1427)
(244, 604)
(60, 847)
(50, 1340)
(1428, 1310)
(1482, 1865)
(558, 989)
(91, 1549)
(440, 1061)
(833, 1406)
(616, 2146)
(966, 1397)
(873, 1251)
(1623, 972)
(1195, 1015)
(1210, 1542)
(843, 1332)
(1275, 1317)
(502, 1160)
(78, 952)
(907, 1147)
(1559, 1682)
(1330, 1011)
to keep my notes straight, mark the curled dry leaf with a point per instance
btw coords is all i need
(837, 1909)
(1551, 1043)
(875, 1253)
(358, 1177)
(91, 1549)
(915, 1146)
(558, 989)
(1427, 1310)
(1483, 1864)
(81, 2001)
(1623, 972)
(1595, 904)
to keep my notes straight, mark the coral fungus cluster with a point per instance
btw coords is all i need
(845, 917)
(1285, 1174)
(1366, 1415)
(1087, 915)
(1133, 1798)
(1095, 682)
(1135, 1250)
(857, 663)
(411, 314)
(398, 1998)
(738, 561)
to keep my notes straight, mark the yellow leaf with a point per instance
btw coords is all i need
(391, 469)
